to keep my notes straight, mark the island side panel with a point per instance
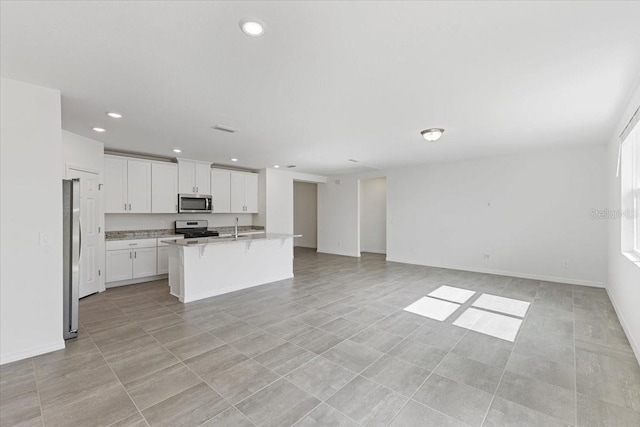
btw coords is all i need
(219, 269)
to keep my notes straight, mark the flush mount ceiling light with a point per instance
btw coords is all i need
(99, 130)
(177, 150)
(234, 160)
(115, 115)
(276, 166)
(432, 134)
(252, 28)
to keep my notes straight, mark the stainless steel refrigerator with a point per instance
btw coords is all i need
(71, 236)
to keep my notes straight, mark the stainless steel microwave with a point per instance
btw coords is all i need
(194, 203)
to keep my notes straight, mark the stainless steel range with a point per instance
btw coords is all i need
(194, 229)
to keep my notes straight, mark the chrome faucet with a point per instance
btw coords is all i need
(235, 232)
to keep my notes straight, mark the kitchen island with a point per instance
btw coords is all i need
(206, 267)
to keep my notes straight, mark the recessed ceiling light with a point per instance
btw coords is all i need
(115, 115)
(177, 150)
(252, 28)
(234, 160)
(276, 166)
(99, 129)
(432, 134)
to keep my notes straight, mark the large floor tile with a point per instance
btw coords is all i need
(504, 413)
(280, 404)
(422, 355)
(258, 343)
(212, 363)
(367, 403)
(324, 415)
(549, 399)
(608, 379)
(98, 410)
(462, 402)
(353, 356)
(317, 341)
(594, 412)
(191, 407)
(401, 377)
(321, 377)
(285, 358)
(470, 372)
(241, 381)
(194, 345)
(160, 385)
(229, 418)
(415, 414)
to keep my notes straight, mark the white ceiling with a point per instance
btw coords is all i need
(330, 81)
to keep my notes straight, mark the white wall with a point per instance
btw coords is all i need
(81, 152)
(530, 213)
(305, 214)
(276, 198)
(623, 277)
(127, 222)
(373, 215)
(30, 272)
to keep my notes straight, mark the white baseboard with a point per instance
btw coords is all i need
(32, 352)
(544, 278)
(136, 281)
(634, 345)
(351, 254)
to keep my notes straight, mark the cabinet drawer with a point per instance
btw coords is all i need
(113, 245)
(162, 240)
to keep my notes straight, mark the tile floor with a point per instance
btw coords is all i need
(333, 346)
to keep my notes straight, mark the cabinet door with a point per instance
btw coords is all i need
(221, 190)
(251, 192)
(139, 186)
(163, 260)
(164, 188)
(144, 262)
(237, 192)
(119, 265)
(203, 178)
(186, 177)
(115, 185)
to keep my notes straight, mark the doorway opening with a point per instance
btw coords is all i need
(305, 216)
(373, 215)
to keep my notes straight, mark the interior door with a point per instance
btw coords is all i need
(90, 225)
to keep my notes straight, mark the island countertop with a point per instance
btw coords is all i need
(222, 240)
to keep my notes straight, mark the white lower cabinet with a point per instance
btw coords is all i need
(119, 265)
(145, 262)
(131, 260)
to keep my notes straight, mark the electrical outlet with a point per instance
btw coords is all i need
(45, 238)
(339, 243)
(487, 257)
(565, 264)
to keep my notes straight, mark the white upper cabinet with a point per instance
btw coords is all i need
(194, 177)
(127, 185)
(244, 192)
(221, 190)
(164, 188)
(251, 192)
(115, 178)
(139, 186)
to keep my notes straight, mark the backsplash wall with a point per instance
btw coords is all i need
(127, 222)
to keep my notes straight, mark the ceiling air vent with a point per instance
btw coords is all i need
(353, 160)
(225, 129)
(291, 166)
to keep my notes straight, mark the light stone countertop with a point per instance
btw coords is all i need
(227, 240)
(158, 234)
